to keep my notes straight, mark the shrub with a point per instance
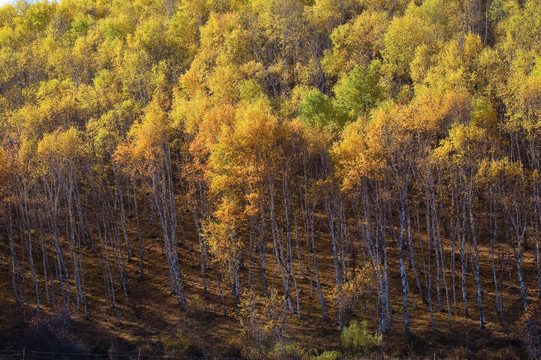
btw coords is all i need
(356, 337)
(235, 347)
(328, 355)
(289, 352)
(181, 345)
(56, 333)
(263, 318)
(530, 331)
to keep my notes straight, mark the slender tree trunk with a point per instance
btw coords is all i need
(537, 219)
(463, 258)
(139, 236)
(15, 268)
(493, 234)
(337, 275)
(122, 211)
(277, 244)
(428, 269)
(476, 257)
(316, 270)
(403, 275)
(108, 277)
(411, 254)
(263, 252)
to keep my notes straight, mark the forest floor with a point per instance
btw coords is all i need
(154, 324)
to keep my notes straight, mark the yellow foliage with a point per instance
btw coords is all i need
(59, 152)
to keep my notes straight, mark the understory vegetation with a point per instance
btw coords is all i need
(297, 179)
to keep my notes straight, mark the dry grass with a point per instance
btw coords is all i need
(155, 323)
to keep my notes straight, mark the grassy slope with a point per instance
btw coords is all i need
(155, 323)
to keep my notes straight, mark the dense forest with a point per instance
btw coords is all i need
(367, 167)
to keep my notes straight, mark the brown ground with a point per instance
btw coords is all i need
(155, 323)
